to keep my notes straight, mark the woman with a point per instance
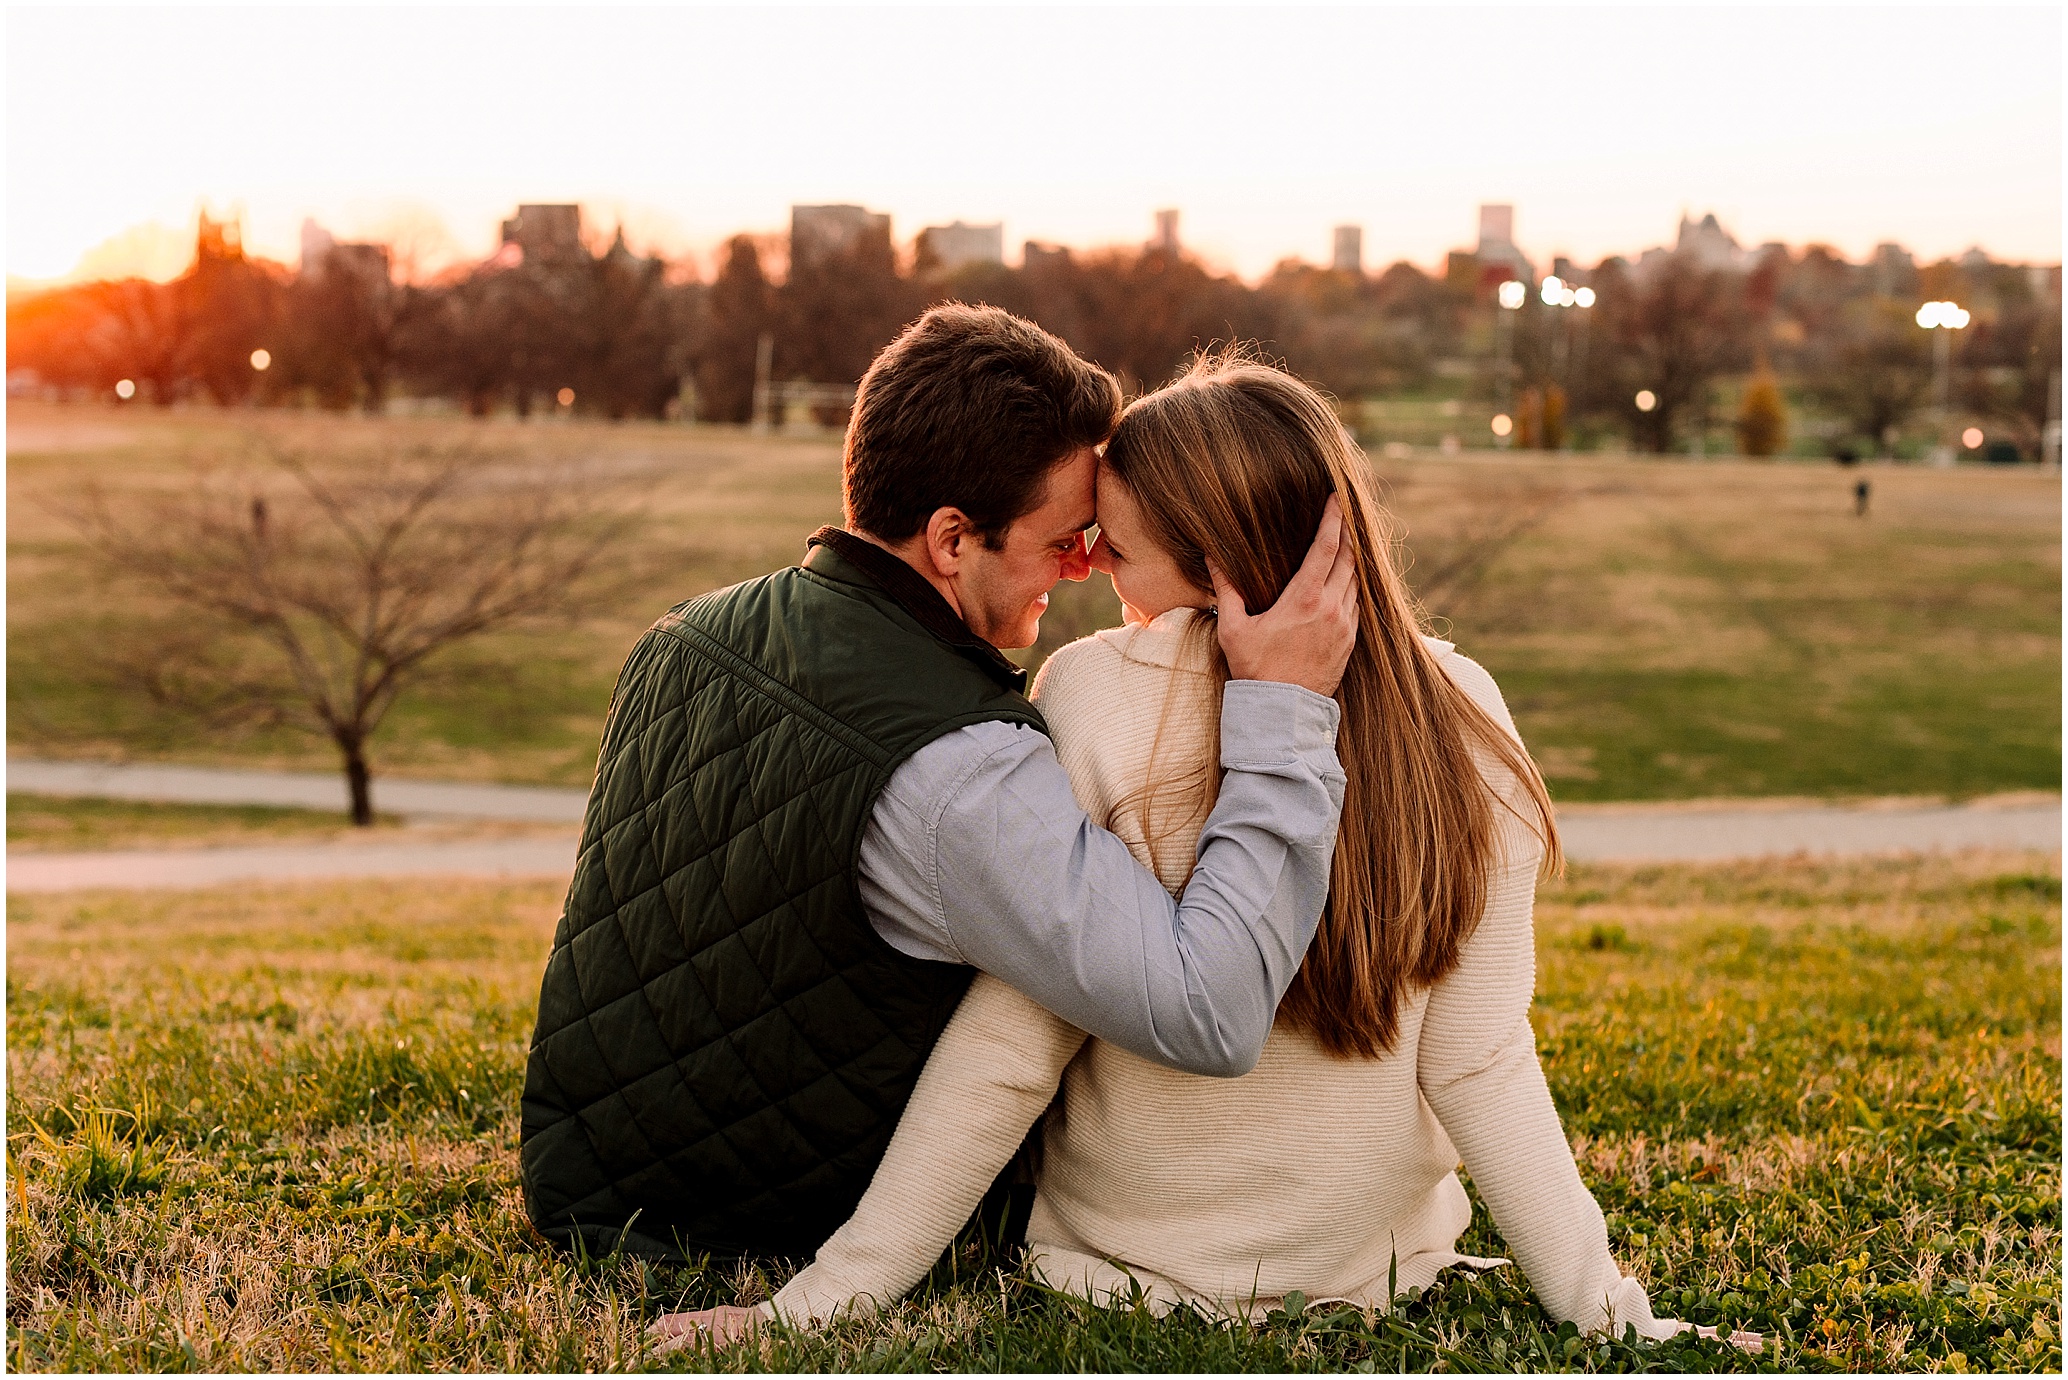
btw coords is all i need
(1404, 1042)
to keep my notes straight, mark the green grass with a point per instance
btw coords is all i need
(1669, 630)
(1620, 733)
(1677, 630)
(276, 1128)
(48, 824)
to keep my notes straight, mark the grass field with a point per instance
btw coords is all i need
(51, 824)
(1667, 629)
(275, 1128)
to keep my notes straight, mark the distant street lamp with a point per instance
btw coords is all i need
(1646, 400)
(565, 397)
(1511, 295)
(1503, 424)
(1946, 314)
(1972, 438)
(1556, 292)
(125, 389)
(261, 360)
(1944, 318)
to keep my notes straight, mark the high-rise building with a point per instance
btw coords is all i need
(1708, 243)
(218, 241)
(1036, 255)
(949, 247)
(1497, 224)
(818, 233)
(1166, 239)
(1349, 255)
(323, 254)
(1496, 251)
(1895, 272)
(548, 234)
(316, 244)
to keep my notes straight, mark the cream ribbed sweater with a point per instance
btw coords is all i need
(1313, 1173)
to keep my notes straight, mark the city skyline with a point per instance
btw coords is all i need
(1602, 127)
(169, 251)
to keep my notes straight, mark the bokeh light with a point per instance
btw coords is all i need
(262, 360)
(1583, 297)
(1503, 424)
(1550, 292)
(125, 389)
(1972, 438)
(566, 396)
(1512, 294)
(1646, 400)
(1943, 316)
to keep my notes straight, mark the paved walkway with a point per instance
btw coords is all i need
(1715, 830)
(296, 790)
(1639, 832)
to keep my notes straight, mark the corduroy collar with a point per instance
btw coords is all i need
(916, 597)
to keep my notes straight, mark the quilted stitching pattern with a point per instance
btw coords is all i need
(724, 1045)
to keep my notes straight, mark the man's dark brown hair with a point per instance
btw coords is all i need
(970, 407)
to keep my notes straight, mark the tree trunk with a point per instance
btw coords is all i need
(358, 779)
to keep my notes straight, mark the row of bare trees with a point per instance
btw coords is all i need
(1829, 330)
(626, 333)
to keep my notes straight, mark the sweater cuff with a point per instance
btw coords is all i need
(1268, 726)
(1629, 1306)
(811, 1299)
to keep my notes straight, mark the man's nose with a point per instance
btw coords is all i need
(1077, 561)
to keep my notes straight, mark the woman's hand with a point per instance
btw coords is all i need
(721, 1326)
(1750, 1342)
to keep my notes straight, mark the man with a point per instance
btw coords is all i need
(822, 800)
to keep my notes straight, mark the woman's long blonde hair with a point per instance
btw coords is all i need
(1233, 464)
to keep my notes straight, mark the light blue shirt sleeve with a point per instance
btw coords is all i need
(977, 852)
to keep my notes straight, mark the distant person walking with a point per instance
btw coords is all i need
(1862, 491)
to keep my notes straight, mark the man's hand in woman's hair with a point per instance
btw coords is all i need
(1305, 638)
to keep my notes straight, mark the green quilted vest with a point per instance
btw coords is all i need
(724, 1044)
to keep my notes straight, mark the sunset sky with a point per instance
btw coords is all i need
(1937, 128)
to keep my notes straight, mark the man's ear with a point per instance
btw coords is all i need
(948, 535)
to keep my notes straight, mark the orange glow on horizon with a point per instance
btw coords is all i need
(152, 250)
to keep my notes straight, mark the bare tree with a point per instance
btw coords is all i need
(740, 308)
(1879, 372)
(1667, 332)
(315, 588)
(2012, 369)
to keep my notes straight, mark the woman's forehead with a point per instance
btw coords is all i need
(1114, 497)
